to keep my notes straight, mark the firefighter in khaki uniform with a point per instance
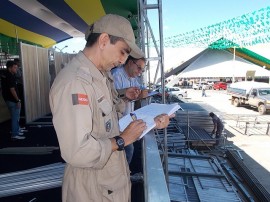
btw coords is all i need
(83, 104)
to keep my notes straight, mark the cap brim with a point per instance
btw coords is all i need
(135, 50)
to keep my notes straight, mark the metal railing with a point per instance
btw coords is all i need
(155, 187)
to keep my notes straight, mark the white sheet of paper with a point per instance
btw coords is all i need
(147, 114)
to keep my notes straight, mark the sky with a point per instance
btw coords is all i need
(180, 16)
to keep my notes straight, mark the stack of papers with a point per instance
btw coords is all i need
(147, 114)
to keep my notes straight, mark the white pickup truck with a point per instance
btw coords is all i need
(255, 94)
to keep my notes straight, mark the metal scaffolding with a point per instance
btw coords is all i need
(147, 36)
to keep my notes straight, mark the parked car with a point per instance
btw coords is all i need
(160, 92)
(180, 93)
(211, 83)
(220, 86)
(176, 91)
(198, 86)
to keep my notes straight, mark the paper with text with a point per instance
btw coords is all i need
(147, 114)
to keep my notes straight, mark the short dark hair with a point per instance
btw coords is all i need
(93, 37)
(17, 60)
(10, 63)
(211, 114)
(135, 59)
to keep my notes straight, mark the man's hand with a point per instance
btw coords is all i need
(133, 131)
(132, 93)
(143, 94)
(163, 120)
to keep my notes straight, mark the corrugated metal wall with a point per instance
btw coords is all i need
(38, 75)
(35, 65)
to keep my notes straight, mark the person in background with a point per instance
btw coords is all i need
(18, 74)
(19, 80)
(83, 104)
(125, 76)
(11, 96)
(203, 90)
(218, 127)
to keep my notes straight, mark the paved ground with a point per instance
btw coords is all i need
(255, 146)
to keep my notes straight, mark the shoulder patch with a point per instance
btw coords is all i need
(80, 99)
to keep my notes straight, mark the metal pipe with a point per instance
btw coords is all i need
(188, 156)
(260, 192)
(45, 177)
(180, 173)
(42, 168)
(238, 183)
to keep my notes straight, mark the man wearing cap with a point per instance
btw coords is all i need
(83, 103)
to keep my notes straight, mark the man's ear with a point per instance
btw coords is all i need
(103, 40)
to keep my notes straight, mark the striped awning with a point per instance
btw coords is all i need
(46, 22)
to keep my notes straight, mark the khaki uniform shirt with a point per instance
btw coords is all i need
(82, 102)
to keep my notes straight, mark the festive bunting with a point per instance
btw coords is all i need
(246, 30)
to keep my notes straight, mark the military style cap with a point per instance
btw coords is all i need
(118, 26)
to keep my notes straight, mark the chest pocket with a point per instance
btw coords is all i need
(106, 118)
(105, 106)
(105, 111)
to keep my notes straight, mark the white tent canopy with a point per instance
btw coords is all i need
(220, 63)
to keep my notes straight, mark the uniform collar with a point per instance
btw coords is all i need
(88, 65)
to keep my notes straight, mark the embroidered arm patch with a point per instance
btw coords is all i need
(80, 99)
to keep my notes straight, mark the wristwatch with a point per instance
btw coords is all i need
(121, 93)
(121, 96)
(18, 101)
(120, 143)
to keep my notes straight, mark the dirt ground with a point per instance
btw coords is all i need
(252, 143)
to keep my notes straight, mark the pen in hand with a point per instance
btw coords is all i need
(133, 116)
